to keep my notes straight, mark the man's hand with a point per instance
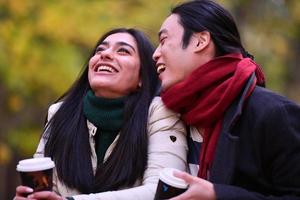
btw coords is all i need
(198, 188)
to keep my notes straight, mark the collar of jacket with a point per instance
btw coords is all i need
(235, 110)
(226, 150)
(92, 128)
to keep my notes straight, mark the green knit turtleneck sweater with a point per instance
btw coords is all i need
(108, 116)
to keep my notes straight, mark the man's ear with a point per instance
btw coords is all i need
(202, 40)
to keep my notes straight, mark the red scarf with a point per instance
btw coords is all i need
(204, 96)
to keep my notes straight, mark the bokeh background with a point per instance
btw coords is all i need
(44, 44)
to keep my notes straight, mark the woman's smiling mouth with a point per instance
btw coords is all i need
(105, 68)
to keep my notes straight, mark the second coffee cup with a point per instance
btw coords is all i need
(168, 185)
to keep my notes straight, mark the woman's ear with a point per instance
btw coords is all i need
(202, 40)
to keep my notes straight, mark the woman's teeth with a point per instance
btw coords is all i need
(105, 68)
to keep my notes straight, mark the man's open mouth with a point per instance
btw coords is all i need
(160, 68)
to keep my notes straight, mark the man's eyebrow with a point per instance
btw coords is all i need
(161, 32)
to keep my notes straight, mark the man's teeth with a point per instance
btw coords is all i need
(105, 68)
(161, 68)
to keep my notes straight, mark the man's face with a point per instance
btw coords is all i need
(174, 63)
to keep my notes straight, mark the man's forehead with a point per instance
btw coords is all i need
(170, 25)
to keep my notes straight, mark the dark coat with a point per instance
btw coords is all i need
(258, 152)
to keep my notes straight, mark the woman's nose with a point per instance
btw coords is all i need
(106, 54)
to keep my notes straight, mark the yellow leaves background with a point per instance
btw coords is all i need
(44, 45)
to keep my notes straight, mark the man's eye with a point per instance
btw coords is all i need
(162, 40)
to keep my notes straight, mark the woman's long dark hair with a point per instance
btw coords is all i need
(68, 137)
(205, 15)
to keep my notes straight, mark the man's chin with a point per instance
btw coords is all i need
(165, 86)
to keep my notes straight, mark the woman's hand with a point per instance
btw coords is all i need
(198, 188)
(22, 191)
(45, 195)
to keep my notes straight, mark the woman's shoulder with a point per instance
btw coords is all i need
(53, 109)
(158, 108)
(156, 101)
(161, 118)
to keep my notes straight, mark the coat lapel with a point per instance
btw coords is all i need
(222, 170)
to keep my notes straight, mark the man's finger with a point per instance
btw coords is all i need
(185, 176)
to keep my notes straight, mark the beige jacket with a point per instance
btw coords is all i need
(162, 152)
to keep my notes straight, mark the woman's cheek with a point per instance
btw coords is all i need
(93, 60)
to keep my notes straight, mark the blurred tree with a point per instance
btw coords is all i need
(271, 32)
(44, 44)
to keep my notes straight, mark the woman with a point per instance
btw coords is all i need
(109, 131)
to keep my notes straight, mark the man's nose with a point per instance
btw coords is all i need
(156, 54)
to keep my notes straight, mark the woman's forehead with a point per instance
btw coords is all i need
(120, 38)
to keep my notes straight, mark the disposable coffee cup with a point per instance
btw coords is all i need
(36, 173)
(168, 185)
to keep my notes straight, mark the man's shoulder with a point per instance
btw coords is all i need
(266, 106)
(266, 99)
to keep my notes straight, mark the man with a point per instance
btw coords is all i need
(244, 138)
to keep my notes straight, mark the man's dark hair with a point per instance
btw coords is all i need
(205, 15)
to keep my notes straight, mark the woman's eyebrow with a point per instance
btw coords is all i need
(121, 43)
(104, 43)
(126, 44)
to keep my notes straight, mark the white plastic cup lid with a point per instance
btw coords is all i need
(35, 164)
(166, 175)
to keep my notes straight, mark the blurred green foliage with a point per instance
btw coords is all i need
(44, 44)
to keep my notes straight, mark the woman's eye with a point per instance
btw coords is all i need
(99, 49)
(123, 50)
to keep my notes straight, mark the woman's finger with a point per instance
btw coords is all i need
(22, 191)
(45, 195)
(19, 198)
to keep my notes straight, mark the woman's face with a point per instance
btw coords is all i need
(114, 69)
